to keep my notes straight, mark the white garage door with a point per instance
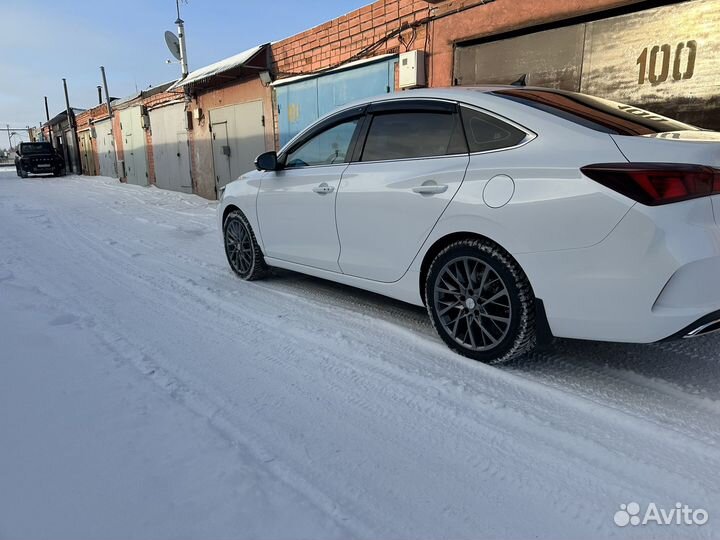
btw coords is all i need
(170, 148)
(106, 148)
(133, 136)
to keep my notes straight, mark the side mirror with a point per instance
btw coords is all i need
(267, 162)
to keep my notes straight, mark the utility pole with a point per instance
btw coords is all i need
(9, 136)
(183, 49)
(47, 116)
(110, 116)
(71, 121)
(107, 94)
(181, 38)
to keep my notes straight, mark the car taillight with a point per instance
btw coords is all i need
(656, 183)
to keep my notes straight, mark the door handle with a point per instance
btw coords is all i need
(430, 188)
(323, 189)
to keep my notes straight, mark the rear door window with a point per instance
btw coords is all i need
(413, 134)
(486, 133)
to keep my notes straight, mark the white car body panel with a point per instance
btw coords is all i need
(296, 223)
(382, 223)
(607, 268)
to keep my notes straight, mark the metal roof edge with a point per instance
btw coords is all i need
(221, 66)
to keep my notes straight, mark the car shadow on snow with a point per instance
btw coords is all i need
(690, 364)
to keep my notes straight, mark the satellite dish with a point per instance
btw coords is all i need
(173, 44)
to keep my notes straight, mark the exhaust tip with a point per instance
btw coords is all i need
(704, 329)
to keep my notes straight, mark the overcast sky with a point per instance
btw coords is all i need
(42, 41)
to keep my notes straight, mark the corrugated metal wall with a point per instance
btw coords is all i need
(665, 59)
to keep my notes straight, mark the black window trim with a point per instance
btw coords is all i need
(341, 117)
(529, 134)
(400, 105)
(366, 112)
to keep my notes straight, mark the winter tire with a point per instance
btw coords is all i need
(241, 248)
(480, 302)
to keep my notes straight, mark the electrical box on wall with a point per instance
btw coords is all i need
(412, 69)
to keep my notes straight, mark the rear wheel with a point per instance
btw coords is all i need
(241, 248)
(480, 302)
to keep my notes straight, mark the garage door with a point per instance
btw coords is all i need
(664, 59)
(87, 154)
(105, 148)
(133, 136)
(238, 137)
(170, 148)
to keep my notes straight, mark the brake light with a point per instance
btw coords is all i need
(656, 183)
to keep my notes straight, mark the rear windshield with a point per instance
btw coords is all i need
(595, 113)
(36, 148)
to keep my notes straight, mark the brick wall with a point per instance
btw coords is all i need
(390, 26)
(344, 38)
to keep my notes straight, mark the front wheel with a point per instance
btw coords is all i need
(480, 302)
(241, 248)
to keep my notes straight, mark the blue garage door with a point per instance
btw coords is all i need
(301, 103)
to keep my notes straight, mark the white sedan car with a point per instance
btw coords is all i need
(514, 214)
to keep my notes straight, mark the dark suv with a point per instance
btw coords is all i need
(38, 158)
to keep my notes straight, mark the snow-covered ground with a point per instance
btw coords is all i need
(145, 392)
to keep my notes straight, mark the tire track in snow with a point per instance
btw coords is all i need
(480, 425)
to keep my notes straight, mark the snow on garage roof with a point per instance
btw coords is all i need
(206, 72)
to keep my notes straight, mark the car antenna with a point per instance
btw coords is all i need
(522, 81)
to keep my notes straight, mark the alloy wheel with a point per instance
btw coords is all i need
(472, 303)
(239, 246)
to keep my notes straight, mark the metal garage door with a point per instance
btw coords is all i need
(133, 136)
(238, 137)
(170, 148)
(664, 59)
(552, 58)
(302, 102)
(87, 154)
(105, 148)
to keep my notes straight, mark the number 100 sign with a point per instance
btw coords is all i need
(654, 62)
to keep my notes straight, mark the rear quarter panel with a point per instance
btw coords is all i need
(554, 206)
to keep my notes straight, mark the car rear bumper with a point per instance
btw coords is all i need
(709, 324)
(37, 169)
(657, 275)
